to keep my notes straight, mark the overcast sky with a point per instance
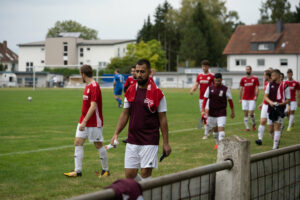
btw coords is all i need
(23, 21)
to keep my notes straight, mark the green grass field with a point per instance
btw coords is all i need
(36, 141)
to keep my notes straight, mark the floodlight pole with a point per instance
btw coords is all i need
(33, 71)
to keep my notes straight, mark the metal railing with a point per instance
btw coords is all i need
(276, 174)
(198, 182)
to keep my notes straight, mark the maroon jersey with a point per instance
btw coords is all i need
(218, 96)
(91, 93)
(143, 125)
(127, 189)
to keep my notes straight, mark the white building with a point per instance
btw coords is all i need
(265, 45)
(68, 50)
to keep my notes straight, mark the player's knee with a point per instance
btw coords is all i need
(146, 172)
(98, 145)
(130, 174)
(78, 142)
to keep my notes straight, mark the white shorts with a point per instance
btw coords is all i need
(279, 120)
(141, 156)
(248, 104)
(264, 111)
(293, 105)
(201, 102)
(94, 134)
(216, 121)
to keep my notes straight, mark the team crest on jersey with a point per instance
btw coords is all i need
(252, 80)
(149, 87)
(212, 90)
(88, 90)
(149, 102)
(221, 93)
(272, 86)
(208, 78)
(294, 84)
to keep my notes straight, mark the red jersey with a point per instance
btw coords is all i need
(249, 85)
(91, 93)
(205, 80)
(294, 86)
(265, 86)
(129, 81)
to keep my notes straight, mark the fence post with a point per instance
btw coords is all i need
(234, 183)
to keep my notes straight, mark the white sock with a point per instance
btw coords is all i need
(103, 158)
(206, 130)
(246, 122)
(276, 139)
(253, 120)
(148, 178)
(291, 120)
(221, 135)
(261, 130)
(216, 136)
(78, 157)
(138, 178)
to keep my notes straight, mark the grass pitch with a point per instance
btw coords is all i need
(36, 141)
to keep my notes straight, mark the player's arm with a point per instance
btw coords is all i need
(256, 93)
(165, 132)
(121, 124)
(88, 115)
(126, 85)
(229, 97)
(195, 86)
(206, 95)
(241, 93)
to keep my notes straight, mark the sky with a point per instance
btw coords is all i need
(23, 21)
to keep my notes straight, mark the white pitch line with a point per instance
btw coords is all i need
(69, 146)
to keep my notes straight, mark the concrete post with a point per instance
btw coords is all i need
(234, 183)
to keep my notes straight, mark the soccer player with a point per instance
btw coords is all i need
(90, 124)
(277, 94)
(217, 95)
(145, 106)
(205, 80)
(130, 79)
(248, 96)
(118, 87)
(294, 86)
(264, 110)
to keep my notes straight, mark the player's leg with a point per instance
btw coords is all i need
(293, 107)
(221, 121)
(263, 121)
(252, 106)
(78, 153)
(149, 160)
(245, 107)
(277, 134)
(206, 127)
(132, 162)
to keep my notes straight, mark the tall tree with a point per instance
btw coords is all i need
(272, 11)
(72, 26)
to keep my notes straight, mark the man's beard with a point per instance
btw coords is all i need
(142, 82)
(248, 73)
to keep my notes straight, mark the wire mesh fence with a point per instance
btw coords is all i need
(276, 174)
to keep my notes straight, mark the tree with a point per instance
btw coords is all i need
(275, 10)
(150, 50)
(72, 26)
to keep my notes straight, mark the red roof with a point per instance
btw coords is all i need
(286, 42)
(7, 55)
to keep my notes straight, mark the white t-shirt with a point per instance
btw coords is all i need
(161, 108)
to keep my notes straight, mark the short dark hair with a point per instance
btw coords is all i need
(144, 62)
(218, 75)
(268, 73)
(249, 67)
(87, 70)
(289, 71)
(133, 67)
(117, 70)
(205, 62)
(276, 71)
(282, 74)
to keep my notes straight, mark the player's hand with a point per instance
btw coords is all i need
(167, 149)
(82, 126)
(240, 101)
(255, 98)
(271, 104)
(232, 115)
(115, 137)
(191, 92)
(260, 107)
(203, 113)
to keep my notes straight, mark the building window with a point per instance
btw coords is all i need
(81, 52)
(189, 80)
(240, 62)
(29, 66)
(11, 79)
(42, 61)
(260, 62)
(124, 50)
(65, 53)
(104, 64)
(170, 79)
(81, 63)
(283, 62)
(65, 62)
(42, 49)
(65, 48)
(263, 47)
(88, 48)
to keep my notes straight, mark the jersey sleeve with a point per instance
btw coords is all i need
(127, 82)
(242, 82)
(162, 105)
(206, 94)
(94, 94)
(198, 79)
(228, 94)
(267, 90)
